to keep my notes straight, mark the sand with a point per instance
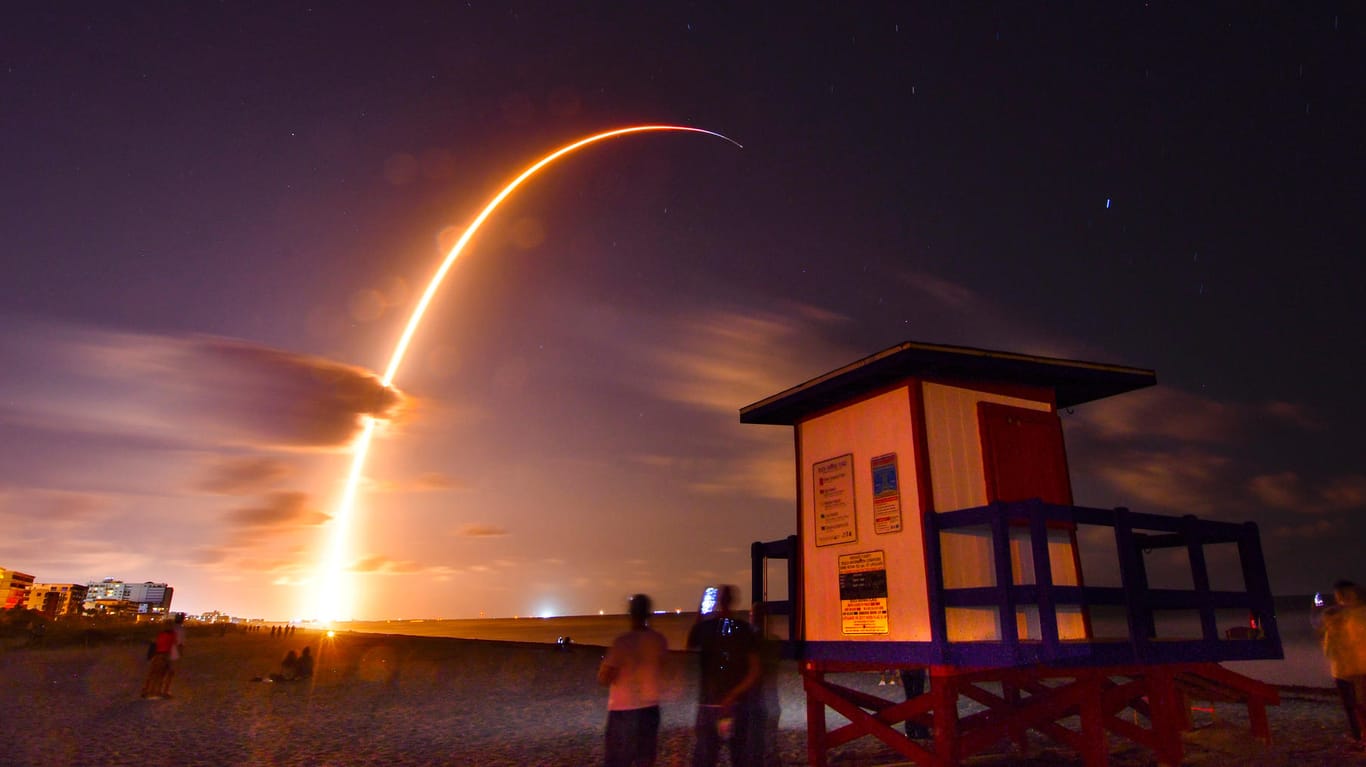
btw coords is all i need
(393, 701)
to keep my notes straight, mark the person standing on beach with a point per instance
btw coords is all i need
(632, 670)
(730, 671)
(173, 657)
(158, 664)
(1343, 627)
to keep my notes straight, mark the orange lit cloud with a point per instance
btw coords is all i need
(1287, 490)
(242, 475)
(480, 530)
(382, 565)
(281, 509)
(287, 399)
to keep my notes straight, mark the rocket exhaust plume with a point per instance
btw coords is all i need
(333, 595)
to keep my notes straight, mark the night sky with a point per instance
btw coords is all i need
(214, 220)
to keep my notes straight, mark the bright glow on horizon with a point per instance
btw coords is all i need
(334, 593)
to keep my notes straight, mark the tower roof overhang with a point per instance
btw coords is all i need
(1073, 382)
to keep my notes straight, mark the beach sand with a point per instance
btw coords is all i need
(392, 700)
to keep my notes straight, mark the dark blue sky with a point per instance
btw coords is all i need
(208, 210)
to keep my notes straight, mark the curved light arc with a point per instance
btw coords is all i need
(331, 587)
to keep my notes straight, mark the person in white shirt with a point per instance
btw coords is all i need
(632, 670)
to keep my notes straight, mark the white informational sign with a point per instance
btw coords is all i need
(833, 481)
(886, 495)
(863, 593)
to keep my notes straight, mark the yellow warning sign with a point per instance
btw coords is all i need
(863, 593)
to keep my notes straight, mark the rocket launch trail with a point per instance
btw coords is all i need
(332, 594)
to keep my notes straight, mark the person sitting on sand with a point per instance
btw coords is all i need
(1343, 628)
(632, 671)
(289, 668)
(305, 666)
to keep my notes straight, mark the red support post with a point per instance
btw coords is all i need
(1165, 704)
(944, 688)
(815, 718)
(1095, 751)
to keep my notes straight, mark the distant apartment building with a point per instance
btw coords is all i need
(57, 600)
(106, 596)
(115, 596)
(14, 588)
(150, 598)
(108, 589)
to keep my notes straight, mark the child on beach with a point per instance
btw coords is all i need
(632, 670)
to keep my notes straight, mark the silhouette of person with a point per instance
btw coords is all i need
(1343, 628)
(289, 668)
(632, 669)
(306, 663)
(730, 669)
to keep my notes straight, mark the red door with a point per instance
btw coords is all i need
(1023, 455)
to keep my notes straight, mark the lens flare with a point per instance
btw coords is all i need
(334, 594)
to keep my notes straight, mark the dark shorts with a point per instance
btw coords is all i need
(632, 737)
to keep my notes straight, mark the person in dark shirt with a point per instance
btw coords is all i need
(729, 672)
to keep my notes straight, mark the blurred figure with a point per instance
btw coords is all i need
(289, 668)
(173, 657)
(1343, 628)
(730, 671)
(158, 664)
(632, 670)
(306, 663)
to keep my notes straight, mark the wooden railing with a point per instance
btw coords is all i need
(1256, 637)
(1134, 533)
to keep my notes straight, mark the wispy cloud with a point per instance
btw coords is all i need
(195, 390)
(242, 475)
(382, 565)
(480, 530)
(1289, 491)
(278, 519)
(717, 359)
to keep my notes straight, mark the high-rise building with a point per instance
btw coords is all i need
(14, 588)
(115, 596)
(149, 598)
(107, 596)
(109, 589)
(56, 600)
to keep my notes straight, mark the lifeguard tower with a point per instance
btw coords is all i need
(936, 533)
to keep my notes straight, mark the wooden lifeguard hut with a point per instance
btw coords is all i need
(936, 533)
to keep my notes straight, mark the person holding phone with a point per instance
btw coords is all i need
(1342, 626)
(730, 668)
